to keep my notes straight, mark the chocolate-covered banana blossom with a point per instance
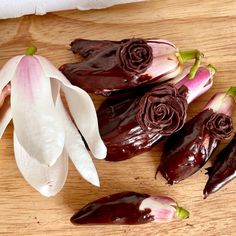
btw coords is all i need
(129, 208)
(133, 125)
(113, 67)
(186, 151)
(223, 170)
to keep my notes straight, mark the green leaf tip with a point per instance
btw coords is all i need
(232, 91)
(187, 55)
(31, 50)
(182, 213)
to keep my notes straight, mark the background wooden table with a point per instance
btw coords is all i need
(209, 26)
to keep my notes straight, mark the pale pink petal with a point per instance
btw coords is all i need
(81, 108)
(76, 148)
(161, 207)
(47, 180)
(8, 71)
(35, 118)
(165, 64)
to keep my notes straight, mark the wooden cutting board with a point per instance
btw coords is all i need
(209, 26)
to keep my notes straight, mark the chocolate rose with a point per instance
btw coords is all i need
(162, 110)
(135, 55)
(220, 126)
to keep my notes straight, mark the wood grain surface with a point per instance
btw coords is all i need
(209, 26)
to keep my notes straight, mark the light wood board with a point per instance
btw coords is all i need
(209, 26)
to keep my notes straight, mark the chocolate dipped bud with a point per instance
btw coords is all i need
(162, 110)
(220, 126)
(135, 55)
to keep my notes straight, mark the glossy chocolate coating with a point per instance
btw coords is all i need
(120, 208)
(223, 169)
(107, 69)
(120, 129)
(186, 151)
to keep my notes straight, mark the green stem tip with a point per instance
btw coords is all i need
(184, 56)
(182, 213)
(212, 69)
(232, 91)
(31, 50)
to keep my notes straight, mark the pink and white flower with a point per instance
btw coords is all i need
(45, 135)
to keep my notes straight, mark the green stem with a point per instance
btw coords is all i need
(31, 50)
(184, 56)
(232, 91)
(212, 69)
(181, 213)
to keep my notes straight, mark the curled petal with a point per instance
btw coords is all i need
(77, 150)
(35, 118)
(81, 108)
(47, 180)
(8, 71)
(5, 117)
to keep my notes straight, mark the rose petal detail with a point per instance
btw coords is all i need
(135, 55)
(47, 180)
(220, 126)
(35, 118)
(162, 110)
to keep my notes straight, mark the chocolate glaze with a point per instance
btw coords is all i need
(120, 208)
(186, 151)
(111, 67)
(121, 131)
(223, 169)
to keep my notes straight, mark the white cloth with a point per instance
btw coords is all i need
(17, 8)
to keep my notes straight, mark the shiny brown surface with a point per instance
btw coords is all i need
(132, 125)
(206, 25)
(120, 208)
(223, 169)
(186, 151)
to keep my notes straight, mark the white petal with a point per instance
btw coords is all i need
(47, 180)
(8, 71)
(36, 122)
(81, 108)
(95, 4)
(5, 118)
(76, 149)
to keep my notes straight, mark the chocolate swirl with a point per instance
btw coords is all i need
(220, 126)
(135, 55)
(162, 110)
